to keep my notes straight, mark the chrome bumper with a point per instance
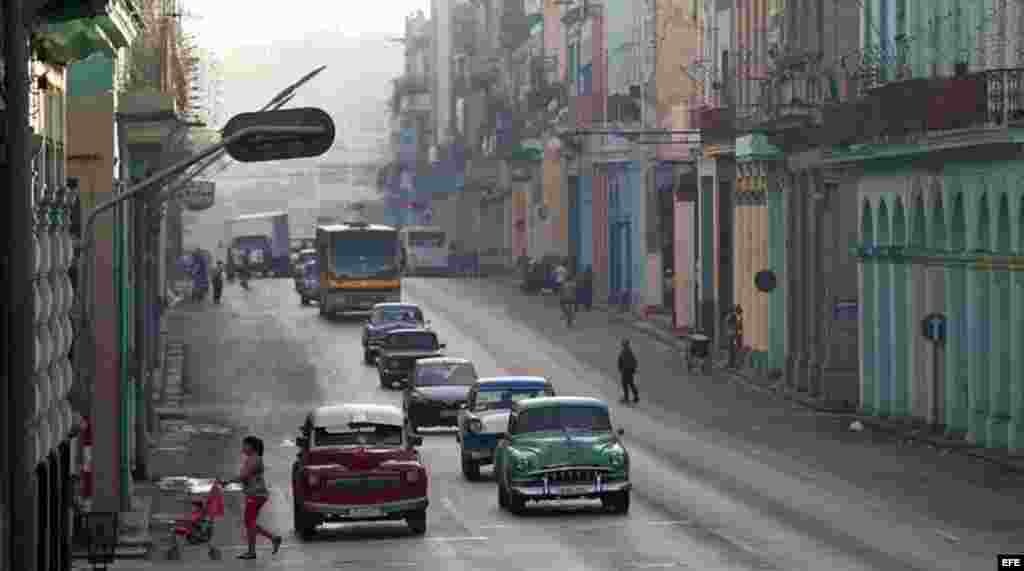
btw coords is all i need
(572, 490)
(400, 506)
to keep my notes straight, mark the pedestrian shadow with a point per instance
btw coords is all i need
(361, 531)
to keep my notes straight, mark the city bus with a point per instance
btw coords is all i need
(359, 266)
(424, 250)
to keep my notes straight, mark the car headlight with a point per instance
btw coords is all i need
(474, 425)
(522, 464)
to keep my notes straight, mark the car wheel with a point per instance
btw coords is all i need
(417, 521)
(304, 525)
(385, 382)
(323, 308)
(413, 427)
(516, 503)
(470, 468)
(368, 357)
(304, 300)
(616, 502)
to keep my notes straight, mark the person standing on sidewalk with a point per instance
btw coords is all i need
(627, 369)
(218, 281)
(254, 486)
(561, 275)
(585, 290)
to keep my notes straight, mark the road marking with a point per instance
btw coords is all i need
(652, 565)
(671, 522)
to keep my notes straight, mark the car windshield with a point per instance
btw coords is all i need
(503, 399)
(424, 341)
(370, 435)
(385, 314)
(573, 418)
(448, 374)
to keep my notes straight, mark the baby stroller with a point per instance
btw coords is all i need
(199, 527)
(698, 353)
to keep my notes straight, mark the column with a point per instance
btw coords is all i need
(777, 233)
(815, 285)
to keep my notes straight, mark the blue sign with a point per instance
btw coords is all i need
(934, 328)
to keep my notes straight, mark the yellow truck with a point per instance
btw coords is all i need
(359, 266)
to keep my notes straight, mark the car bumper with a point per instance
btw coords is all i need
(434, 415)
(563, 491)
(344, 301)
(366, 511)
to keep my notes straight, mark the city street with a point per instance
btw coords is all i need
(716, 488)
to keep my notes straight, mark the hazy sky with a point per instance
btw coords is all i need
(266, 46)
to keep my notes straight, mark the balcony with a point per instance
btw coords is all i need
(412, 83)
(909, 111)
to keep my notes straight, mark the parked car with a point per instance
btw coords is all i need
(357, 462)
(398, 352)
(484, 419)
(310, 288)
(387, 317)
(437, 390)
(561, 448)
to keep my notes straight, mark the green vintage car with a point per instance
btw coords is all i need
(561, 448)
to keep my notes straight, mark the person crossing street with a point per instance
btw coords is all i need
(627, 370)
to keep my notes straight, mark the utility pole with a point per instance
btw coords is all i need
(19, 482)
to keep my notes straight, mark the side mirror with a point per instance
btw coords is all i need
(621, 432)
(416, 441)
(302, 442)
(443, 345)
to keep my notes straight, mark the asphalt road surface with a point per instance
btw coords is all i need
(259, 362)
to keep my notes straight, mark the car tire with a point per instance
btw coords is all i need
(414, 429)
(368, 357)
(304, 525)
(470, 468)
(616, 502)
(385, 382)
(417, 521)
(304, 300)
(323, 308)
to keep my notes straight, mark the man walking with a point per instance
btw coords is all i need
(218, 281)
(627, 369)
(561, 275)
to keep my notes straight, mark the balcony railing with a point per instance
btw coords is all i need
(905, 111)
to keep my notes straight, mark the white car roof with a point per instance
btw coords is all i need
(341, 415)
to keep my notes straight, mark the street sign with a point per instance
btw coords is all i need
(933, 328)
(198, 195)
(258, 148)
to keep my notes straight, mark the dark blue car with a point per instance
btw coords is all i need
(385, 318)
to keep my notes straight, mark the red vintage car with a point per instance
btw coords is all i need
(357, 463)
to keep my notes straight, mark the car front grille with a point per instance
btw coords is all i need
(572, 476)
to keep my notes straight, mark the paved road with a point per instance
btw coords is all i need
(703, 501)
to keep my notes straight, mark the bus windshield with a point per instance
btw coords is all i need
(364, 255)
(426, 239)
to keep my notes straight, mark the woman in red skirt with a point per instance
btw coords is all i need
(254, 486)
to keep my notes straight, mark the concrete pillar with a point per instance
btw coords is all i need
(20, 325)
(815, 283)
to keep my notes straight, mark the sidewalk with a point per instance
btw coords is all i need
(660, 327)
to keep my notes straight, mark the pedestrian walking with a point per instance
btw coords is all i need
(254, 486)
(627, 369)
(568, 301)
(218, 281)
